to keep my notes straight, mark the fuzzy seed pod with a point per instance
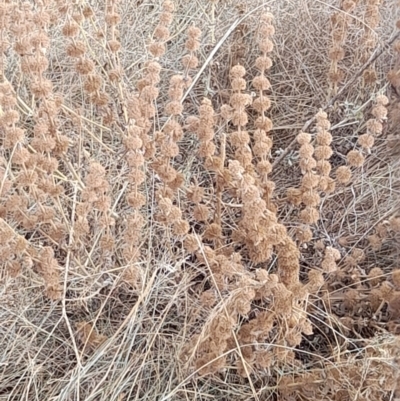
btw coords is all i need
(306, 165)
(355, 158)
(266, 46)
(190, 62)
(396, 278)
(261, 83)
(311, 198)
(343, 174)
(303, 138)
(323, 152)
(157, 49)
(114, 45)
(366, 141)
(181, 228)
(191, 243)
(70, 29)
(336, 53)
(304, 234)
(309, 181)
(263, 63)
(84, 66)
(379, 112)
(382, 100)
(376, 276)
(201, 213)
(324, 138)
(213, 232)
(294, 196)
(323, 167)
(306, 151)
(112, 19)
(374, 127)
(309, 215)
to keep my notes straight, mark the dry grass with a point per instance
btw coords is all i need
(90, 324)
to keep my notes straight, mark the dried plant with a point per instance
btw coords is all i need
(199, 200)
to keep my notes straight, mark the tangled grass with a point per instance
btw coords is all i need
(199, 200)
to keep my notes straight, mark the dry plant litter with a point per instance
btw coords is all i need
(200, 200)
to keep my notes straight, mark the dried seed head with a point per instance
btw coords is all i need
(323, 152)
(161, 33)
(207, 149)
(370, 76)
(304, 234)
(343, 174)
(311, 198)
(238, 84)
(190, 62)
(114, 45)
(192, 45)
(336, 53)
(100, 99)
(240, 100)
(355, 158)
(309, 215)
(13, 136)
(266, 46)
(168, 6)
(195, 193)
(396, 278)
(261, 104)
(323, 167)
(181, 228)
(394, 224)
(174, 108)
(76, 49)
(382, 100)
(309, 181)
(261, 83)
(336, 76)
(303, 138)
(366, 141)
(239, 118)
(306, 151)
(267, 18)
(324, 138)
(379, 112)
(239, 138)
(112, 19)
(237, 71)
(84, 66)
(294, 195)
(191, 243)
(264, 168)
(70, 29)
(201, 213)
(213, 232)
(263, 63)
(375, 276)
(306, 165)
(264, 123)
(157, 49)
(87, 12)
(92, 83)
(166, 18)
(374, 126)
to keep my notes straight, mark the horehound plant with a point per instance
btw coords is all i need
(340, 21)
(155, 243)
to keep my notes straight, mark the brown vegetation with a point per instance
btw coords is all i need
(199, 200)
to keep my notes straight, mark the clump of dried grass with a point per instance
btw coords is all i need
(168, 234)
